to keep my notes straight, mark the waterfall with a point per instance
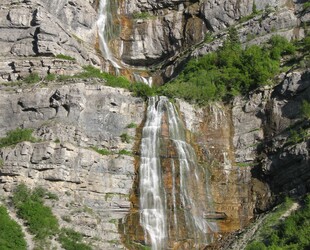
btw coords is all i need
(102, 23)
(146, 80)
(172, 208)
(152, 197)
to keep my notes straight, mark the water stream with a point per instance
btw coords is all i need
(102, 23)
(174, 194)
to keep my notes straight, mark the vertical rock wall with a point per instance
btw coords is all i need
(70, 121)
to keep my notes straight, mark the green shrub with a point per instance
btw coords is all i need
(63, 78)
(142, 15)
(280, 47)
(71, 240)
(297, 136)
(41, 222)
(131, 125)
(113, 81)
(15, 136)
(227, 72)
(305, 109)
(30, 207)
(65, 57)
(292, 233)
(306, 43)
(101, 151)
(11, 235)
(306, 5)
(50, 77)
(116, 82)
(142, 90)
(256, 246)
(90, 72)
(125, 152)
(125, 137)
(32, 78)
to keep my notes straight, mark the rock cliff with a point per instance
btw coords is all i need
(69, 121)
(159, 35)
(249, 146)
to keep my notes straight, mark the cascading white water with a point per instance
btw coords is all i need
(152, 197)
(102, 31)
(146, 80)
(189, 188)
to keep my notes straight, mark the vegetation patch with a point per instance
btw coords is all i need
(297, 136)
(16, 136)
(125, 152)
(101, 151)
(229, 71)
(40, 220)
(306, 6)
(65, 57)
(305, 109)
(131, 125)
(11, 235)
(142, 90)
(30, 207)
(32, 78)
(72, 240)
(125, 137)
(292, 233)
(50, 77)
(142, 15)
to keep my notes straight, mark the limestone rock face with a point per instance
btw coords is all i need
(93, 189)
(45, 28)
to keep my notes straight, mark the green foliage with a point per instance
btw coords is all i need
(229, 71)
(63, 78)
(113, 81)
(306, 43)
(305, 109)
(101, 151)
(208, 37)
(50, 77)
(32, 78)
(125, 137)
(254, 8)
(256, 246)
(65, 57)
(292, 233)
(40, 220)
(142, 90)
(125, 152)
(71, 240)
(15, 136)
(142, 15)
(280, 47)
(306, 5)
(30, 207)
(11, 235)
(297, 136)
(131, 125)
(90, 72)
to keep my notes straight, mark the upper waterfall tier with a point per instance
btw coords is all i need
(103, 30)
